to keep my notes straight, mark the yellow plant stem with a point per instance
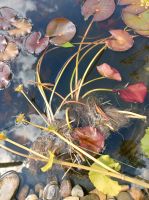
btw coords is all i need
(132, 114)
(78, 166)
(78, 53)
(87, 70)
(97, 90)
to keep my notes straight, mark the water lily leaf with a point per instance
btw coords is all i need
(60, 30)
(126, 2)
(67, 45)
(101, 10)
(90, 138)
(109, 72)
(137, 22)
(22, 27)
(145, 143)
(134, 9)
(5, 75)
(120, 41)
(104, 183)
(135, 93)
(35, 44)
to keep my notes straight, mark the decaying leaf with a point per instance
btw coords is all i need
(89, 138)
(101, 10)
(5, 75)
(104, 183)
(61, 31)
(120, 41)
(109, 72)
(145, 143)
(21, 28)
(35, 44)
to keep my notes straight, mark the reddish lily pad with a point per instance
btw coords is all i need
(35, 44)
(101, 10)
(5, 75)
(135, 93)
(120, 41)
(89, 138)
(109, 72)
(60, 30)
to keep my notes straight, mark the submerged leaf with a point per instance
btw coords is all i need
(101, 10)
(35, 44)
(120, 41)
(90, 138)
(60, 30)
(135, 93)
(5, 75)
(104, 183)
(22, 27)
(109, 72)
(145, 143)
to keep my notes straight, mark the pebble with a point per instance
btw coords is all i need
(71, 198)
(39, 189)
(51, 192)
(77, 191)
(65, 188)
(90, 197)
(23, 192)
(9, 183)
(136, 194)
(32, 197)
(124, 196)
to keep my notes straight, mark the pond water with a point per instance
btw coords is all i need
(133, 65)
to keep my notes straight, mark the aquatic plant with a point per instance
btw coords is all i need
(84, 135)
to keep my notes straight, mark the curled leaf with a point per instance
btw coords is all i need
(5, 75)
(104, 183)
(120, 41)
(90, 138)
(109, 72)
(49, 164)
(60, 30)
(35, 44)
(135, 93)
(101, 10)
(21, 28)
(145, 143)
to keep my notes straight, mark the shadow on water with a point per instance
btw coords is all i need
(133, 65)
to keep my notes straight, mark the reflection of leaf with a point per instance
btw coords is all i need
(67, 45)
(22, 27)
(145, 143)
(104, 183)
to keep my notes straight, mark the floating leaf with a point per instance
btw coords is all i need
(22, 27)
(145, 143)
(49, 164)
(120, 41)
(67, 45)
(135, 93)
(60, 30)
(109, 72)
(90, 138)
(101, 10)
(35, 44)
(138, 3)
(104, 183)
(5, 75)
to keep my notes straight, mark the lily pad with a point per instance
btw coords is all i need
(5, 75)
(101, 10)
(61, 31)
(35, 44)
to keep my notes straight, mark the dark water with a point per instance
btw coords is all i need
(133, 65)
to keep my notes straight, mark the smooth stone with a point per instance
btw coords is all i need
(77, 191)
(124, 196)
(65, 188)
(23, 192)
(51, 192)
(32, 197)
(90, 197)
(71, 198)
(38, 188)
(9, 183)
